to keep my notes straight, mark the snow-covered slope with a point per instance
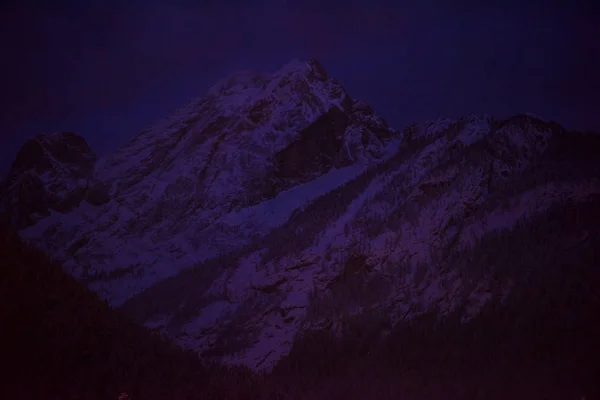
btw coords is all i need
(394, 239)
(276, 204)
(229, 166)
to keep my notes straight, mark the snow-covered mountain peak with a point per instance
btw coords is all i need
(246, 89)
(311, 69)
(523, 137)
(250, 117)
(241, 80)
(179, 184)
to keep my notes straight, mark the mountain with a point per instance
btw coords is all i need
(60, 341)
(211, 177)
(277, 207)
(51, 172)
(401, 238)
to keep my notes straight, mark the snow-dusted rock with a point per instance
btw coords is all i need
(50, 173)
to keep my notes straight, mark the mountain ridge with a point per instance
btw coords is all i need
(328, 212)
(193, 171)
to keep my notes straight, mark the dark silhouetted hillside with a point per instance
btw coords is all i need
(59, 341)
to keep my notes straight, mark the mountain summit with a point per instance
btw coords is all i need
(204, 180)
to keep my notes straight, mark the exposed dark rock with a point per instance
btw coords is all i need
(315, 150)
(50, 172)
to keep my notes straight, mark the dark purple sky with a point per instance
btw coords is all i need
(106, 70)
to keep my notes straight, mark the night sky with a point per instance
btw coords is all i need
(106, 70)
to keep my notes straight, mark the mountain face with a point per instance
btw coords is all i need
(204, 181)
(277, 205)
(50, 173)
(401, 239)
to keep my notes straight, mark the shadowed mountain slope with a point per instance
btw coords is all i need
(59, 341)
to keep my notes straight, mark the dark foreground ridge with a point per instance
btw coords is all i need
(59, 341)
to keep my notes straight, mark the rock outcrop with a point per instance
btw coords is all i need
(51, 172)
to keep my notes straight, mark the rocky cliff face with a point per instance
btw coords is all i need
(319, 211)
(50, 173)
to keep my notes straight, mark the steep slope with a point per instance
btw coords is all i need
(50, 173)
(540, 342)
(178, 192)
(59, 341)
(395, 239)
